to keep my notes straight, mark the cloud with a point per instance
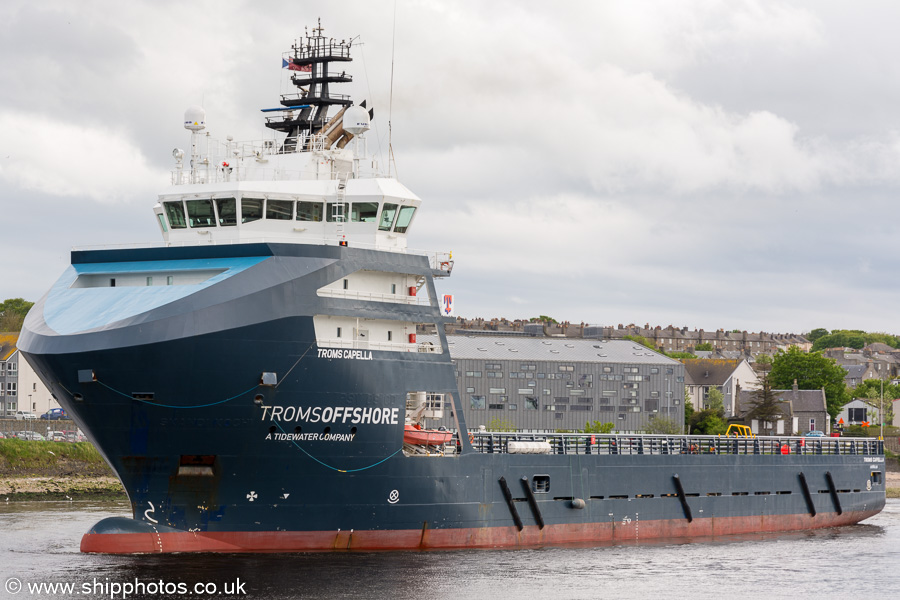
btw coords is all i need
(63, 159)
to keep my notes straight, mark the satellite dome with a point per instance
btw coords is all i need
(356, 120)
(195, 118)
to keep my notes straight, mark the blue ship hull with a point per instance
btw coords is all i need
(170, 386)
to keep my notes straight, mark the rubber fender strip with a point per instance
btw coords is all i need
(807, 496)
(681, 497)
(532, 502)
(509, 502)
(834, 496)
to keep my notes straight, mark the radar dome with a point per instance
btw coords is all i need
(195, 118)
(356, 120)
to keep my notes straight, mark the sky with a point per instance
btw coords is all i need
(711, 164)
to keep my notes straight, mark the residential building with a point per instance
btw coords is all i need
(802, 411)
(9, 374)
(704, 374)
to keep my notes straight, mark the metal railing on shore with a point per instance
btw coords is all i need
(587, 443)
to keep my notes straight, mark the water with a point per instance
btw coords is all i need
(39, 543)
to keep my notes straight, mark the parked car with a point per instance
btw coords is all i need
(30, 435)
(25, 415)
(54, 414)
(815, 433)
(57, 436)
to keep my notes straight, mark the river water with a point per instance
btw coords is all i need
(39, 545)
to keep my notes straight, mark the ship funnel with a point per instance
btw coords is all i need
(356, 120)
(195, 118)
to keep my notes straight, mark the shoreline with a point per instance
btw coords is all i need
(24, 488)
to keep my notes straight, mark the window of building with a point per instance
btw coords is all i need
(527, 367)
(495, 406)
(569, 368)
(607, 369)
(279, 210)
(581, 408)
(170, 280)
(631, 370)
(251, 209)
(477, 402)
(651, 405)
(309, 211)
(531, 403)
(338, 332)
(654, 370)
(404, 218)
(546, 392)
(559, 400)
(525, 390)
(470, 390)
(586, 381)
(11, 388)
(336, 212)
(363, 212)
(387, 217)
(149, 281)
(497, 391)
(610, 393)
(513, 407)
(200, 213)
(492, 367)
(576, 393)
(227, 208)
(532, 384)
(812, 424)
(175, 214)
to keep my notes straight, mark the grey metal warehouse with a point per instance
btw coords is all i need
(540, 383)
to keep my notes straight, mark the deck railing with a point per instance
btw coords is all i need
(586, 443)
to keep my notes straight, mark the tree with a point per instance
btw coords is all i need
(688, 410)
(705, 346)
(812, 372)
(765, 406)
(12, 313)
(815, 334)
(663, 426)
(715, 400)
(764, 362)
(498, 424)
(598, 427)
(871, 389)
(639, 339)
(853, 338)
(707, 422)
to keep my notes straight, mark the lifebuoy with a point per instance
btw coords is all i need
(445, 266)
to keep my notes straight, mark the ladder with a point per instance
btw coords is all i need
(338, 209)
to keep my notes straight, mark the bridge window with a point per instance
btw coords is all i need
(227, 208)
(200, 213)
(162, 223)
(387, 217)
(309, 211)
(175, 213)
(251, 209)
(337, 212)
(404, 217)
(364, 212)
(279, 210)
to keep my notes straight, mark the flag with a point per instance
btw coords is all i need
(289, 65)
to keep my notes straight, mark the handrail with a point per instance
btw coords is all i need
(613, 444)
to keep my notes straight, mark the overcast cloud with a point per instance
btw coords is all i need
(715, 164)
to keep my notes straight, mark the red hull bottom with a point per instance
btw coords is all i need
(430, 539)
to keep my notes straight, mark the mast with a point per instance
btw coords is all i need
(306, 111)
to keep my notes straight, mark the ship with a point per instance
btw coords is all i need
(256, 383)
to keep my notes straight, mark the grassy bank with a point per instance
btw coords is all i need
(54, 471)
(20, 457)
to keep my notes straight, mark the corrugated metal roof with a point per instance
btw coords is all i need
(550, 349)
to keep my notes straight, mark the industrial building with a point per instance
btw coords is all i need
(545, 384)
